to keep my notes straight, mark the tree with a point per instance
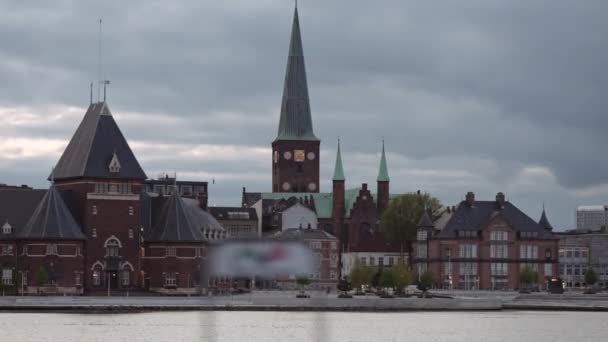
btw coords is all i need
(402, 276)
(42, 277)
(401, 217)
(386, 279)
(527, 276)
(426, 281)
(590, 277)
(360, 275)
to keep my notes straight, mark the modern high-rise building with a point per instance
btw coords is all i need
(591, 217)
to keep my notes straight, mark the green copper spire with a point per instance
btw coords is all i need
(339, 170)
(295, 122)
(383, 172)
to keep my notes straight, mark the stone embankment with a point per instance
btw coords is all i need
(286, 301)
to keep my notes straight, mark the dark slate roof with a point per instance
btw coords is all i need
(52, 220)
(296, 121)
(480, 214)
(201, 218)
(17, 206)
(303, 234)
(92, 147)
(425, 221)
(172, 221)
(544, 221)
(222, 213)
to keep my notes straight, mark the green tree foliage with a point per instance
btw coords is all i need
(302, 280)
(528, 276)
(386, 279)
(402, 276)
(42, 277)
(426, 281)
(400, 219)
(361, 275)
(590, 277)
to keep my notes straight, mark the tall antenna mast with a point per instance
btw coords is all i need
(99, 63)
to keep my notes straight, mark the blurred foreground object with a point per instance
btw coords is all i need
(268, 259)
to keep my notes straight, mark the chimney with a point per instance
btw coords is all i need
(470, 198)
(449, 209)
(500, 199)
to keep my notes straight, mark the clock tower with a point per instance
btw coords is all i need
(295, 151)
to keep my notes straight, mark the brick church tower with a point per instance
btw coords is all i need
(295, 151)
(104, 180)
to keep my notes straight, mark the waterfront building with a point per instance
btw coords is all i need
(579, 251)
(96, 228)
(591, 217)
(485, 244)
(324, 247)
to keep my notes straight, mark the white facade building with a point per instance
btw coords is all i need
(298, 216)
(591, 217)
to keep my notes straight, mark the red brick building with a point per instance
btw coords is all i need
(484, 245)
(96, 229)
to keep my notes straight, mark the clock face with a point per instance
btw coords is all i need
(298, 155)
(286, 186)
(287, 155)
(311, 155)
(312, 186)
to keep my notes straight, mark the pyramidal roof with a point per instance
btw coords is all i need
(295, 122)
(425, 220)
(544, 221)
(98, 149)
(383, 170)
(174, 223)
(51, 220)
(338, 170)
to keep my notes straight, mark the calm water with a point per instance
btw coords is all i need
(289, 326)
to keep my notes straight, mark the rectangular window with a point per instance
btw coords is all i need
(499, 236)
(94, 210)
(334, 245)
(333, 275)
(77, 279)
(372, 261)
(362, 261)
(548, 270)
(421, 250)
(51, 249)
(131, 211)
(170, 279)
(468, 251)
(171, 251)
(498, 268)
(94, 232)
(422, 235)
(528, 252)
(561, 269)
(333, 260)
(468, 268)
(391, 261)
(499, 251)
(7, 249)
(7, 276)
(381, 261)
(130, 233)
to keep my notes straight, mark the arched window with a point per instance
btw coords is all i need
(97, 276)
(112, 248)
(125, 275)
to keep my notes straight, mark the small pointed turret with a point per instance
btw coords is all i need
(544, 221)
(425, 221)
(338, 170)
(383, 170)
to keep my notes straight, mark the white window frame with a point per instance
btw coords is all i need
(51, 249)
(171, 251)
(170, 279)
(7, 276)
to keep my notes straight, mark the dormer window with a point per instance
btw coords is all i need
(7, 228)
(114, 164)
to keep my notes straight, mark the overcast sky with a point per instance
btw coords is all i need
(476, 95)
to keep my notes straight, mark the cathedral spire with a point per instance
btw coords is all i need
(383, 171)
(338, 170)
(295, 122)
